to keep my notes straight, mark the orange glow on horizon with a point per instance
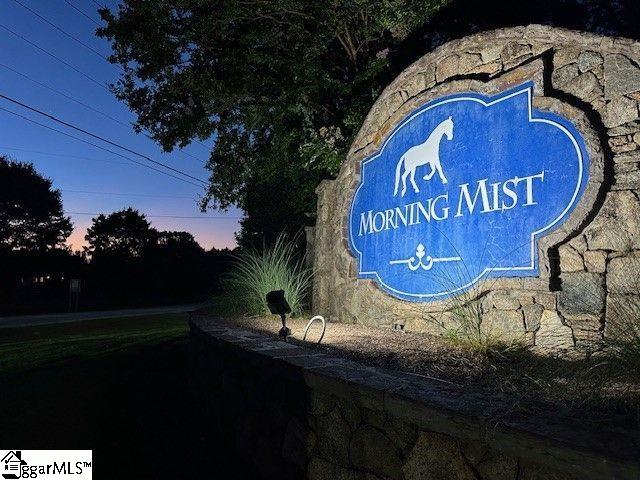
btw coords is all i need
(205, 235)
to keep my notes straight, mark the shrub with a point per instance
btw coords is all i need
(254, 273)
(622, 334)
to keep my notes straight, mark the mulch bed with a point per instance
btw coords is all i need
(596, 389)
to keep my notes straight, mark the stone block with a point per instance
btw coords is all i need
(617, 225)
(507, 325)
(515, 53)
(505, 301)
(627, 180)
(490, 464)
(570, 259)
(548, 300)
(565, 56)
(623, 274)
(402, 434)
(588, 60)
(372, 451)
(587, 331)
(447, 67)
(469, 61)
(350, 412)
(585, 86)
(333, 434)
(620, 110)
(298, 442)
(595, 261)
(553, 334)
(319, 469)
(532, 315)
(436, 457)
(622, 144)
(491, 52)
(320, 403)
(583, 293)
(621, 76)
(563, 75)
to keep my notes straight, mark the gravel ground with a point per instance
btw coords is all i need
(592, 389)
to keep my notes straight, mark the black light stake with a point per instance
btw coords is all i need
(278, 306)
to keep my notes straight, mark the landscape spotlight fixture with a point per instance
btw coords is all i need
(278, 306)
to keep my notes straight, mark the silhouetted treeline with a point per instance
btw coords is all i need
(32, 282)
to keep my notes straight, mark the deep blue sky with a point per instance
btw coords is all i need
(97, 171)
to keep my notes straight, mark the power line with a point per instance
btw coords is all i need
(98, 146)
(64, 155)
(219, 217)
(79, 102)
(74, 68)
(81, 12)
(121, 194)
(61, 30)
(34, 45)
(68, 97)
(98, 137)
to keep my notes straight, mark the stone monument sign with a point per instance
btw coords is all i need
(501, 169)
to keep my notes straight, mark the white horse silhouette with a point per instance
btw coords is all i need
(423, 154)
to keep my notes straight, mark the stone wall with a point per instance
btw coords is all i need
(590, 267)
(293, 413)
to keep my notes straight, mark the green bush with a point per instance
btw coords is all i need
(254, 273)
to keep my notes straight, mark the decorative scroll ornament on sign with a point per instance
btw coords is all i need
(424, 261)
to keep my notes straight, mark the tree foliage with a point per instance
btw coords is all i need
(132, 263)
(125, 233)
(31, 215)
(282, 86)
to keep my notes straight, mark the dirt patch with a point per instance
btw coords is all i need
(595, 389)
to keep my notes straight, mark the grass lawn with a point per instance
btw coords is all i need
(117, 386)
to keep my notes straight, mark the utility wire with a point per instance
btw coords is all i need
(98, 146)
(219, 217)
(67, 64)
(77, 70)
(64, 32)
(68, 97)
(34, 45)
(121, 194)
(98, 137)
(64, 155)
(81, 12)
(88, 107)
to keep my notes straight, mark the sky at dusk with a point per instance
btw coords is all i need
(91, 180)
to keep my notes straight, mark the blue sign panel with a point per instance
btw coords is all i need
(462, 190)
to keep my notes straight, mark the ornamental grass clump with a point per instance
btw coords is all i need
(257, 272)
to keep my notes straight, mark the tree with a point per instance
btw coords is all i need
(283, 85)
(125, 233)
(178, 244)
(31, 214)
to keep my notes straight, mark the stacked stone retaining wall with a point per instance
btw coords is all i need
(292, 413)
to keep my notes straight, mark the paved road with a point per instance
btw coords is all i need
(32, 320)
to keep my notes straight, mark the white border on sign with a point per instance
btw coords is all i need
(528, 89)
